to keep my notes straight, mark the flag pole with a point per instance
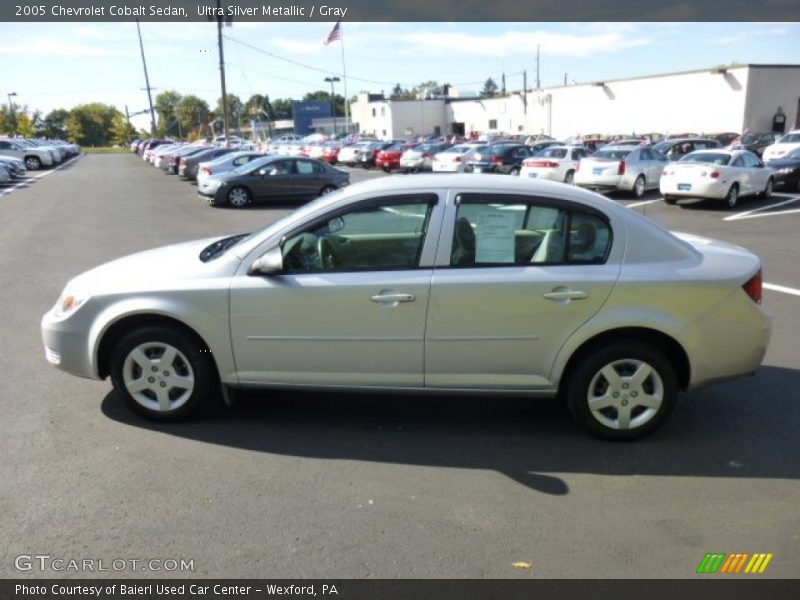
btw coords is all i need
(344, 76)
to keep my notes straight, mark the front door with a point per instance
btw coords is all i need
(274, 181)
(348, 307)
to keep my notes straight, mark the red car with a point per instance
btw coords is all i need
(331, 153)
(389, 158)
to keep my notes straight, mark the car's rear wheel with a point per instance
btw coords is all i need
(670, 199)
(732, 196)
(638, 186)
(33, 163)
(768, 189)
(514, 171)
(161, 373)
(239, 197)
(623, 390)
(569, 179)
(387, 170)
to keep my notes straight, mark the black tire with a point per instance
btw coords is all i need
(671, 200)
(514, 171)
(327, 190)
(767, 193)
(190, 360)
(239, 197)
(639, 187)
(587, 378)
(569, 178)
(33, 163)
(387, 170)
(732, 197)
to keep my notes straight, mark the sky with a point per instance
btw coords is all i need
(60, 65)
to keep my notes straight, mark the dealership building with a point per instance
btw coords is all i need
(734, 98)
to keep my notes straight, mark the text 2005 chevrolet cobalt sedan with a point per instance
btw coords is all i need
(468, 284)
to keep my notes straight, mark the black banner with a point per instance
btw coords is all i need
(710, 588)
(391, 10)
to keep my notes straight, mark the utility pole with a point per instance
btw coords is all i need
(565, 78)
(222, 71)
(525, 92)
(503, 88)
(331, 80)
(147, 82)
(538, 82)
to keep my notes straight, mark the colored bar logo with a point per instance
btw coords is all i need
(738, 562)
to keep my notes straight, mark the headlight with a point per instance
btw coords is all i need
(69, 302)
(786, 170)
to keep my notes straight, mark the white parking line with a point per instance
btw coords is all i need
(643, 202)
(28, 180)
(781, 288)
(753, 214)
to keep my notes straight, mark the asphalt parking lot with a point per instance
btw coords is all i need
(341, 485)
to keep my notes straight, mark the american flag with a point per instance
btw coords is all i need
(335, 34)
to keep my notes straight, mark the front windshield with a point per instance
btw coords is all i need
(715, 158)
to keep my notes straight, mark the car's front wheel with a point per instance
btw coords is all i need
(514, 171)
(569, 179)
(33, 163)
(327, 190)
(161, 373)
(239, 197)
(623, 390)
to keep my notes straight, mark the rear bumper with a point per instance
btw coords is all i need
(716, 190)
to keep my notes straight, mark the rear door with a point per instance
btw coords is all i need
(308, 179)
(516, 276)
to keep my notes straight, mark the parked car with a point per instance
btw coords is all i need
(724, 139)
(786, 171)
(184, 152)
(455, 158)
(350, 155)
(5, 173)
(57, 153)
(755, 142)
(539, 145)
(388, 159)
(15, 166)
(556, 163)
(330, 152)
(625, 168)
(420, 158)
(273, 178)
(674, 149)
(499, 158)
(161, 156)
(390, 285)
(717, 174)
(787, 143)
(225, 163)
(368, 157)
(189, 165)
(35, 158)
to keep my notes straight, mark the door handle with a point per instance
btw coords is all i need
(392, 298)
(565, 294)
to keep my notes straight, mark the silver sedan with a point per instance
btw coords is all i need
(468, 284)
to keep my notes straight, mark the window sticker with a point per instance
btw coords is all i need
(494, 237)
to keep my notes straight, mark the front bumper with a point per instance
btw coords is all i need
(67, 345)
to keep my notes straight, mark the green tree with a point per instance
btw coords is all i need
(282, 108)
(122, 131)
(255, 106)
(236, 110)
(91, 124)
(193, 114)
(489, 88)
(166, 104)
(54, 124)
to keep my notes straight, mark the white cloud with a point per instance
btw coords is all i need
(298, 47)
(42, 47)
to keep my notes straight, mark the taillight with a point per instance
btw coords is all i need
(548, 164)
(621, 169)
(664, 173)
(714, 175)
(496, 160)
(425, 155)
(457, 159)
(753, 287)
(206, 170)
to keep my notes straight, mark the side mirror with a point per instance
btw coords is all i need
(270, 263)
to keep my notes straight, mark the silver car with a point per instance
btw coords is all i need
(623, 168)
(452, 283)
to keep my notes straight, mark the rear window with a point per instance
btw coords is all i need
(790, 138)
(612, 154)
(553, 153)
(715, 158)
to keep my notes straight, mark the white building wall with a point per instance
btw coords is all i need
(417, 117)
(768, 89)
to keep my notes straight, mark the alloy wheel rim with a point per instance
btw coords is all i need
(639, 186)
(238, 197)
(625, 394)
(732, 197)
(158, 376)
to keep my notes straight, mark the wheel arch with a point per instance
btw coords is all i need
(672, 349)
(122, 327)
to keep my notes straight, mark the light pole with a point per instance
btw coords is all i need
(11, 112)
(333, 101)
